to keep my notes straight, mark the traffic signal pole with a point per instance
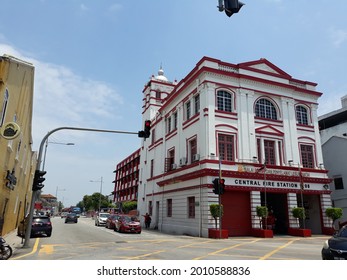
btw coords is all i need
(38, 166)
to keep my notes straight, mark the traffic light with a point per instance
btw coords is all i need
(38, 180)
(146, 132)
(221, 186)
(216, 185)
(232, 7)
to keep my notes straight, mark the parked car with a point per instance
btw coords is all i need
(126, 223)
(100, 219)
(41, 225)
(336, 247)
(111, 220)
(71, 217)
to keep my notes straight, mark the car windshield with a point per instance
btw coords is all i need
(343, 232)
(41, 220)
(104, 215)
(129, 219)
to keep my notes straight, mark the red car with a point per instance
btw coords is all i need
(126, 223)
(111, 220)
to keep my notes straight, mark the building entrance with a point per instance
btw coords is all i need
(277, 204)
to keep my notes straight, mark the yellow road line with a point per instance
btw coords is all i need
(225, 249)
(278, 249)
(34, 250)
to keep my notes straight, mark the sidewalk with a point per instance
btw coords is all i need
(15, 242)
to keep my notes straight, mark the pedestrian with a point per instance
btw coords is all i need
(148, 220)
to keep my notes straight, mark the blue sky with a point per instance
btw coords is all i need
(92, 59)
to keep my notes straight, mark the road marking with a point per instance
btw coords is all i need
(47, 249)
(225, 249)
(278, 249)
(33, 251)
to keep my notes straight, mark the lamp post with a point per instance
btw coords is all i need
(56, 195)
(52, 142)
(98, 181)
(301, 183)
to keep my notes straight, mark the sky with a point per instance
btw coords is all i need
(93, 58)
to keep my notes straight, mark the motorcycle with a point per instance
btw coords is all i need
(5, 250)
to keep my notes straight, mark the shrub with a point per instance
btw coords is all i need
(216, 212)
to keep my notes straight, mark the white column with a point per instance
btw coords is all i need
(255, 201)
(292, 203)
(326, 203)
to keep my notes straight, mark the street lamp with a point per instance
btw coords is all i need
(52, 142)
(301, 183)
(56, 196)
(99, 181)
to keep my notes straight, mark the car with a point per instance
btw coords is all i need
(63, 214)
(127, 223)
(100, 219)
(335, 248)
(71, 217)
(41, 225)
(110, 221)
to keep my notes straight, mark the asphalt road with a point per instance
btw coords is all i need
(85, 241)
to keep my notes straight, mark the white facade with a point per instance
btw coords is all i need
(333, 130)
(211, 121)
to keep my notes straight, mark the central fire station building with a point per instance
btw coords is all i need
(228, 120)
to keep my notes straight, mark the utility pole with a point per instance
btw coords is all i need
(38, 165)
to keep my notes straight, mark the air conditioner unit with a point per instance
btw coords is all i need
(173, 166)
(196, 157)
(183, 161)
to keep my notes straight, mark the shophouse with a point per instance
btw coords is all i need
(17, 160)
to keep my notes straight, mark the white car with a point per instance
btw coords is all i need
(100, 219)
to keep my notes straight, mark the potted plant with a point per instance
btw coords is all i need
(262, 213)
(334, 213)
(299, 213)
(216, 211)
(262, 231)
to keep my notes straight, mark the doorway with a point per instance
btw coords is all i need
(277, 203)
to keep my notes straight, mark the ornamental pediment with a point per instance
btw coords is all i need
(268, 129)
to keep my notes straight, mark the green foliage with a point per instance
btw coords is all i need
(299, 212)
(262, 211)
(216, 211)
(334, 213)
(128, 206)
(92, 202)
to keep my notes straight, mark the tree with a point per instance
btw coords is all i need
(128, 206)
(299, 213)
(262, 213)
(334, 214)
(216, 211)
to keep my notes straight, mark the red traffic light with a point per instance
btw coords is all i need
(147, 124)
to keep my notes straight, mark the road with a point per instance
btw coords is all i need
(85, 241)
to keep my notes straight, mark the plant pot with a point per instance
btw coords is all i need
(264, 233)
(304, 232)
(328, 231)
(216, 233)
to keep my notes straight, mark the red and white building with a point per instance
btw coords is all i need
(127, 178)
(232, 118)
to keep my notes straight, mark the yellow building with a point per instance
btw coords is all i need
(17, 160)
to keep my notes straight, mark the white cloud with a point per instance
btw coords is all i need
(64, 98)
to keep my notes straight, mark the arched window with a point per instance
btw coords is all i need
(224, 101)
(4, 107)
(265, 109)
(301, 115)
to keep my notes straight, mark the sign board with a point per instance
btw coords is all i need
(10, 130)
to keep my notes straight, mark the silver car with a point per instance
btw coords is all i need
(100, 219)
